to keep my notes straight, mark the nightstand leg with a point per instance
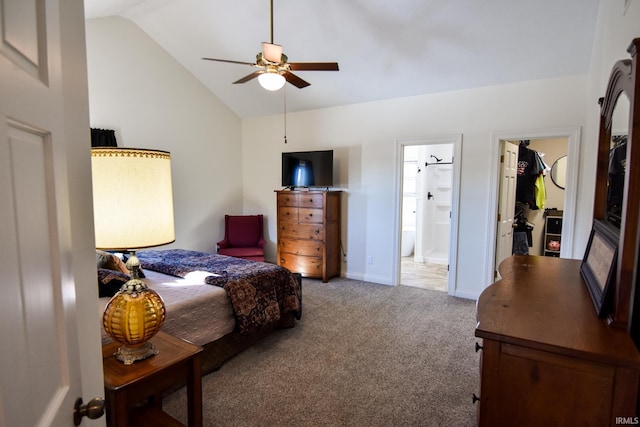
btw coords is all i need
(117, 409)
(194, 393)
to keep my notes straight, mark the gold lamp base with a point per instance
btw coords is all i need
(128, 355)
(133, 316)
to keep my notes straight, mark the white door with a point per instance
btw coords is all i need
(46, 230)
(506, 201)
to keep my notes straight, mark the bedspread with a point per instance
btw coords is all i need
(259, 292)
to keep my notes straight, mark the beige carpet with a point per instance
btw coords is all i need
(362, 355)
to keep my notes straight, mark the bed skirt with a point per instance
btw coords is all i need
(216, 353)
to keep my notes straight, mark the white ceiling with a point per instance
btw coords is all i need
(385, 48)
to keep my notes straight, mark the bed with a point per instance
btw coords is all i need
(220, 303)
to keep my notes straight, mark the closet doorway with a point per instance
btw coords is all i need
(428, 193)
(559, 152)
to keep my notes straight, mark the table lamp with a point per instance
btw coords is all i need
(133, 209)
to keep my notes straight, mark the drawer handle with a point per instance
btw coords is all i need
(478, 347)
(475, 398)
(310, 200)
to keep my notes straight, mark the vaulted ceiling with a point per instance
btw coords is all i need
(385, 48)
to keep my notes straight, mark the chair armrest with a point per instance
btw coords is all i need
(223, 244)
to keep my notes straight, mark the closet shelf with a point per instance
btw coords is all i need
(553, 234)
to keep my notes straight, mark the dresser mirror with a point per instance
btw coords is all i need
(617, 161)
(617, 195)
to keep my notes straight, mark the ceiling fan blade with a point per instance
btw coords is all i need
(314, 66)
(272, 52)
(229, 61)
(295, 80)
(249, 77)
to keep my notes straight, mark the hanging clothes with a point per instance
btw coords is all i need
(540, 189)
(528, 170)
(522, 233)
(520, 244)
(544, 168)
(541, 192)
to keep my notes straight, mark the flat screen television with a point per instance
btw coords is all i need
(307, 169)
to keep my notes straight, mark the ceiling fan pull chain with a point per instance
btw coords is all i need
(285, 113)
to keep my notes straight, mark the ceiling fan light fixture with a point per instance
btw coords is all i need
(274, 68)
(271, 80)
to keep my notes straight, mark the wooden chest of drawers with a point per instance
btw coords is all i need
(309, 232)
(547, 359)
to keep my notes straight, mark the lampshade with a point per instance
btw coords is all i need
(132, 198)
(133, 209)
(271, 80)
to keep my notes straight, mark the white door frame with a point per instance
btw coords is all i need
(570, 193)
(456, 140)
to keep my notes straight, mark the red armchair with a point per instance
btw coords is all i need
(243, 237)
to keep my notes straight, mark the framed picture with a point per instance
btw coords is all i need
(598, 266)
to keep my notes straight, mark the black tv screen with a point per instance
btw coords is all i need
(307, 169)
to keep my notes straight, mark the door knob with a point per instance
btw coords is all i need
(93, 409)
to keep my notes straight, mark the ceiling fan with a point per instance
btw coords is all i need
(274, 67)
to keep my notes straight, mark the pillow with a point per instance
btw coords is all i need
(110, 262)
(110, 282)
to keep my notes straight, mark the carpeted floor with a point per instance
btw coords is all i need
(362, 355)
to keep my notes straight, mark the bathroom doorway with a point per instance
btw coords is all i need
(426, 212)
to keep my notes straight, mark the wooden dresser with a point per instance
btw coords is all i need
(547, 359)
(309, 232)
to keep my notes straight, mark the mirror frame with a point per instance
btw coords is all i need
(623, 79)
(554, 167)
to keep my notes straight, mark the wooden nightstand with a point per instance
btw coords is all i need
(134, 393)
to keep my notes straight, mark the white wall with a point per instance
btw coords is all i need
(138, 89)
(364, 139)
